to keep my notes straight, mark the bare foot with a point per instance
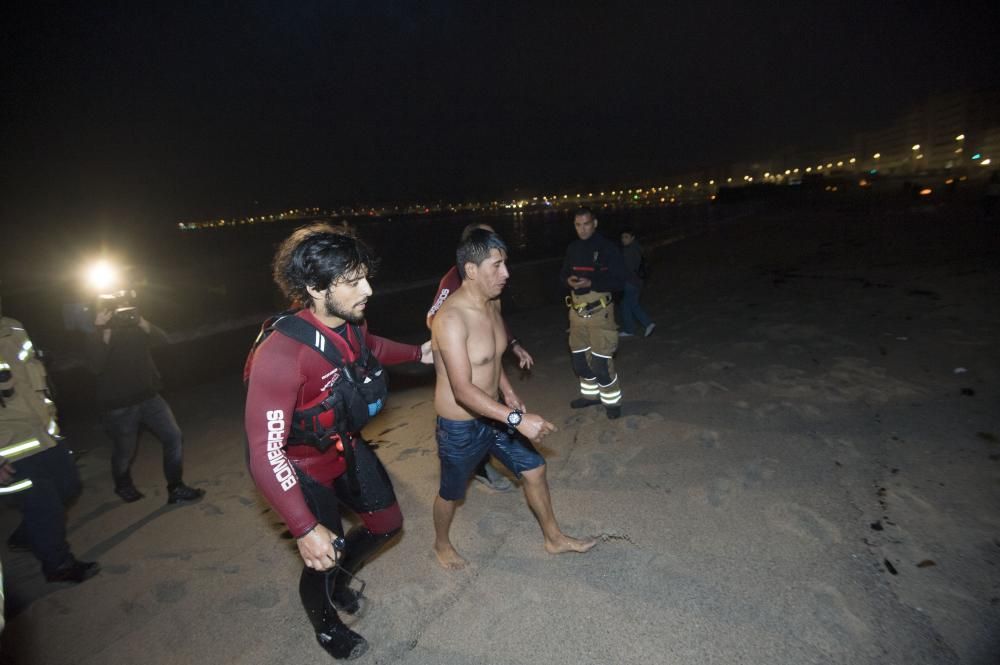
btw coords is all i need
(449, 558)
(565, 544)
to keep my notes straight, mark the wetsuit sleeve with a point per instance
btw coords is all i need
(614, 278)
(271, 396)
(389, 352)
(448, 284)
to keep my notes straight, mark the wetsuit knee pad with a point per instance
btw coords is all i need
(387, 522)
(601, 369)
(580, 365)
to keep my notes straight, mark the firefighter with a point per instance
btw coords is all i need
(37, 470)
(593, 269)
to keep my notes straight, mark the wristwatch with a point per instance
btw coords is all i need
(514, 418)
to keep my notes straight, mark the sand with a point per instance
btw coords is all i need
(806, 472)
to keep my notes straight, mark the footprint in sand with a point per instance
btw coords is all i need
(607, 438)
(410, 452)
(803, 522)
(494, 524)
(261, 598)
(709, 439)
(759, 471)
(170, 591)
(701, 388)
(832, 623)
(210, 509)
(643, 421)
(719, 491)
(843, 450)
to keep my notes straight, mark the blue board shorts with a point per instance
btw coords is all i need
(462, 445)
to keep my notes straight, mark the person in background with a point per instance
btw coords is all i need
(36, 468)
(128, 396)
(593, 269)
(635, 274)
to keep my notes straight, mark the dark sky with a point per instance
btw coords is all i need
(166, 110)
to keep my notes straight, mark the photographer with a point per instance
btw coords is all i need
(128, 385)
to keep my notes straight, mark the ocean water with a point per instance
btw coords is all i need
(210, 289)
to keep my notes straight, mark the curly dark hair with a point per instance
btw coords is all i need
(318, 256)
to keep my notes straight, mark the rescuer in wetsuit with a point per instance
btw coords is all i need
(306, 458)
(593, 269)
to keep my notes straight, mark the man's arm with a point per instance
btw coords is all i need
(156, 335)
(390, 352)
(614, 278)
(524, 359)
(510, 398)
(271, 394)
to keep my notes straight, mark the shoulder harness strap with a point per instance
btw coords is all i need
(302, 331)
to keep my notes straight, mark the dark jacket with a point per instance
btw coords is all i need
(126, 374)
(597, 259)
(632, 255)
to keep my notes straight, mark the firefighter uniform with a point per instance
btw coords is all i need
(593, 333)
(45, 477)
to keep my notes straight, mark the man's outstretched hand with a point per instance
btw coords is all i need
(535, 427)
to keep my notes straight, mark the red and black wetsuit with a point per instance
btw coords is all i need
(303, 484)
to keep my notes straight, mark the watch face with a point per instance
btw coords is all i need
(514, 418)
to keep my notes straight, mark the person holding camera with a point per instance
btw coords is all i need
(36, 468)
(128, 386)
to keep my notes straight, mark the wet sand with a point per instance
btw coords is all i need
(806, 472)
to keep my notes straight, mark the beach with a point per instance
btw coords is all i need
(806, 471)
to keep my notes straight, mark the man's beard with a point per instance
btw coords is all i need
(333, 309)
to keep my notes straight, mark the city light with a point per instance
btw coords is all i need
(986, 162)
(916, 146)
(960, 137)
(876, 155)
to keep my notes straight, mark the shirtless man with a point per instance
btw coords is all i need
(468, 340)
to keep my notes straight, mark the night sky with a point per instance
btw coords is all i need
(154, 112)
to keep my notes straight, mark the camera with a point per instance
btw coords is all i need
(122, 305)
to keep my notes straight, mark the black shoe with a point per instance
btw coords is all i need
(128, 493)
(75, 571)
(183, 494)
(583, 402)
(341, 642)
(614, 412)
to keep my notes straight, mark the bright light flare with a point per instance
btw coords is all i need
(926, 191)
(101, 276)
